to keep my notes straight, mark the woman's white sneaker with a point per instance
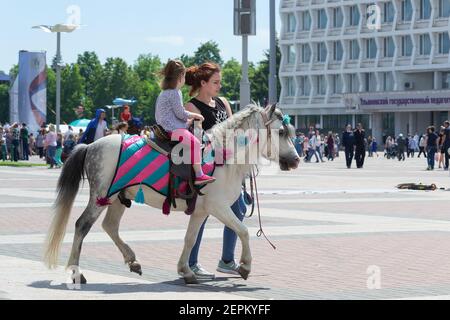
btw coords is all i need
(229, 268)
(202, 273)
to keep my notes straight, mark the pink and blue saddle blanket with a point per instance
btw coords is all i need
(139, 164)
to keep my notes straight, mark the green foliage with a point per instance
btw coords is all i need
(72, 91)
(259, 80)
(231, 78)
(207, 52)
(4, 103)
(95, 85)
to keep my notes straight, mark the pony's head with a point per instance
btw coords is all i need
(278, 144)
(267, 133)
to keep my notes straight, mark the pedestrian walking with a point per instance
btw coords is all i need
(348, 141)
(360, 150)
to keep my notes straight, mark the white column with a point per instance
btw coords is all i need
(398, 121)
(377, 127)
(411, 123)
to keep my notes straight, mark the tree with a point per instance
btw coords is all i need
(148, 67)
(187, 60)
(72, 91)
(51, 95)
(231, 79)
(4, 102)
(208, 52)
(260, 79)
(91, 70)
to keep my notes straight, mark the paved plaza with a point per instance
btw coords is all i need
(339, 233)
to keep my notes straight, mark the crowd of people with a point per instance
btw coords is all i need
(318, 145)
(434, 146)
(18, 144)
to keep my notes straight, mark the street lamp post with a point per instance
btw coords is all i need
(58, 29)
(244, 25)
(273, 94)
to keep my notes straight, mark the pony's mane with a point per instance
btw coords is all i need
(244, 119)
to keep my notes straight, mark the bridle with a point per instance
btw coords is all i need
(267, 122)
(253, 185)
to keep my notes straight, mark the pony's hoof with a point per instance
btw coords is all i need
(244, 273)
(82, 280)
(190, 280)
(136, 268)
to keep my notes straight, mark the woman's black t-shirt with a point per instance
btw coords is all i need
(432, 138)
(212, 115)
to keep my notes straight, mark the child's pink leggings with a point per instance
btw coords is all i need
(185, 137)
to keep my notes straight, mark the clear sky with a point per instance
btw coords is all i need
(128, 28)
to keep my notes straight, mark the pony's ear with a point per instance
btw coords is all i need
(270, 110)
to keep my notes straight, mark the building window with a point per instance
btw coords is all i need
(291, 23)
(424, 44)
(425, 9)
(354, 50)
(306, 21)
(306, 53)
(337, 18)
(353, 83)
(444, 43)
(304, 86)
(322, 19)
(389, 12)
(337, 84)
(445, 80)
(389, 47)
(371, 49)
(371, 84)
(407, 46)
(388, 81)
(337, 51)
(354, 15)
(321, 85)
(321, 52)
(407, 10)
(290, 87)
(444, 8)
(290, 54)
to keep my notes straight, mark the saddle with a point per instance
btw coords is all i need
(162, 142)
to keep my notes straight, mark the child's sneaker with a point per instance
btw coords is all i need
(204, 179)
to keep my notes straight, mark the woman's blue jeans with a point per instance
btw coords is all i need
(51, 152)
(229, 236)
(431, 152)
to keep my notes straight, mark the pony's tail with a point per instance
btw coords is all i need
(68, 185)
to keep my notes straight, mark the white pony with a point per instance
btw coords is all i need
(99, 160)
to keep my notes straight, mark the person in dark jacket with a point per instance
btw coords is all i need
(96, 129)
(447, 143)
(401, 146)
(360, 150)
(348, 141)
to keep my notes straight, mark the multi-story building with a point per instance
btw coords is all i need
(383, 63)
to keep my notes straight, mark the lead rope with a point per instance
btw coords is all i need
(260, 231)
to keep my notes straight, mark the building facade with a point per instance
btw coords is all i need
(385, 64)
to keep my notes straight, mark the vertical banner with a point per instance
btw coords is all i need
(14, 102)
(32, 89)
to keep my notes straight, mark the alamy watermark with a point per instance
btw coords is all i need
(373, 14)
(235, 147)
(374, 280)
(74, 15)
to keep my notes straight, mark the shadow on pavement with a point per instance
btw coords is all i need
(162, 287)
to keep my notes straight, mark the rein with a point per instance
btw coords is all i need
(253, 191)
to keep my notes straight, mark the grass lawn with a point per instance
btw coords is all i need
(21, 164)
